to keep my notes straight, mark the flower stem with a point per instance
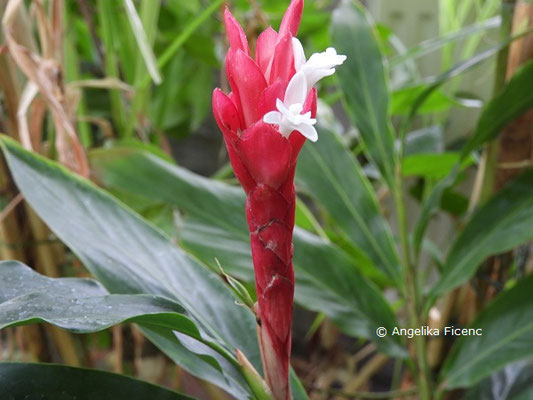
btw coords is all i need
(413, 299)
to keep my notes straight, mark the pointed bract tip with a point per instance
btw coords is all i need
(236, 36)
(291, 19)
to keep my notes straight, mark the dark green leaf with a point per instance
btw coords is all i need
(57, 382)
(364, 84)
(80, 305)
(507, 332)
(214, 223)
(506, 221)
(330, 174)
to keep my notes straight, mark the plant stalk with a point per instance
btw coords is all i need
(413, 297)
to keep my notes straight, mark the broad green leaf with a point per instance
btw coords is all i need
(514, 100)
(507, 332)
(80, 305)
(129, 256)
(363, 81)
(326, 278)
(58, 382)
(504, 222)
(329, 173)
(214, 223)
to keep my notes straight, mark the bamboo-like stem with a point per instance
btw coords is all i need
(484, 181)
(118, 349)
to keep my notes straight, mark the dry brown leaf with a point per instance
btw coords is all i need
(46, 74)
(104, 83)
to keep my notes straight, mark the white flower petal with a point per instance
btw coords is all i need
(308, 131)
(314, 75)
(299, 54)
(272, 117)
(296, 90)
(321, 65)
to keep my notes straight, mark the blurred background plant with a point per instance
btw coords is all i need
(392, 205)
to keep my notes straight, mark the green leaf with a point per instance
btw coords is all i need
(216, 212)
(507, 332)
(504, 222)
(80, 305)
(129, 256)
(363, 81)
(329, 282)
(214, 223)
(58, 382)
(513, 101)
(432, 166)
(144, 44)
(402, 100)
(329, 173)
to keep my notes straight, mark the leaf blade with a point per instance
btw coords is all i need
(507, 327)
(505, 222)
(69, 383)
(364, 84)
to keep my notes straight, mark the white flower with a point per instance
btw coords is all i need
(318, 66)
(289, 116)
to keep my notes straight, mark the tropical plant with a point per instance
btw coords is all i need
(169, 250)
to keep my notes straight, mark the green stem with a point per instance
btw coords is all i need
(413, 290)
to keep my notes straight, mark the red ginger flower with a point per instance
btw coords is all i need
(265, 121)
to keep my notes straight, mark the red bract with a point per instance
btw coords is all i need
(264, 161)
